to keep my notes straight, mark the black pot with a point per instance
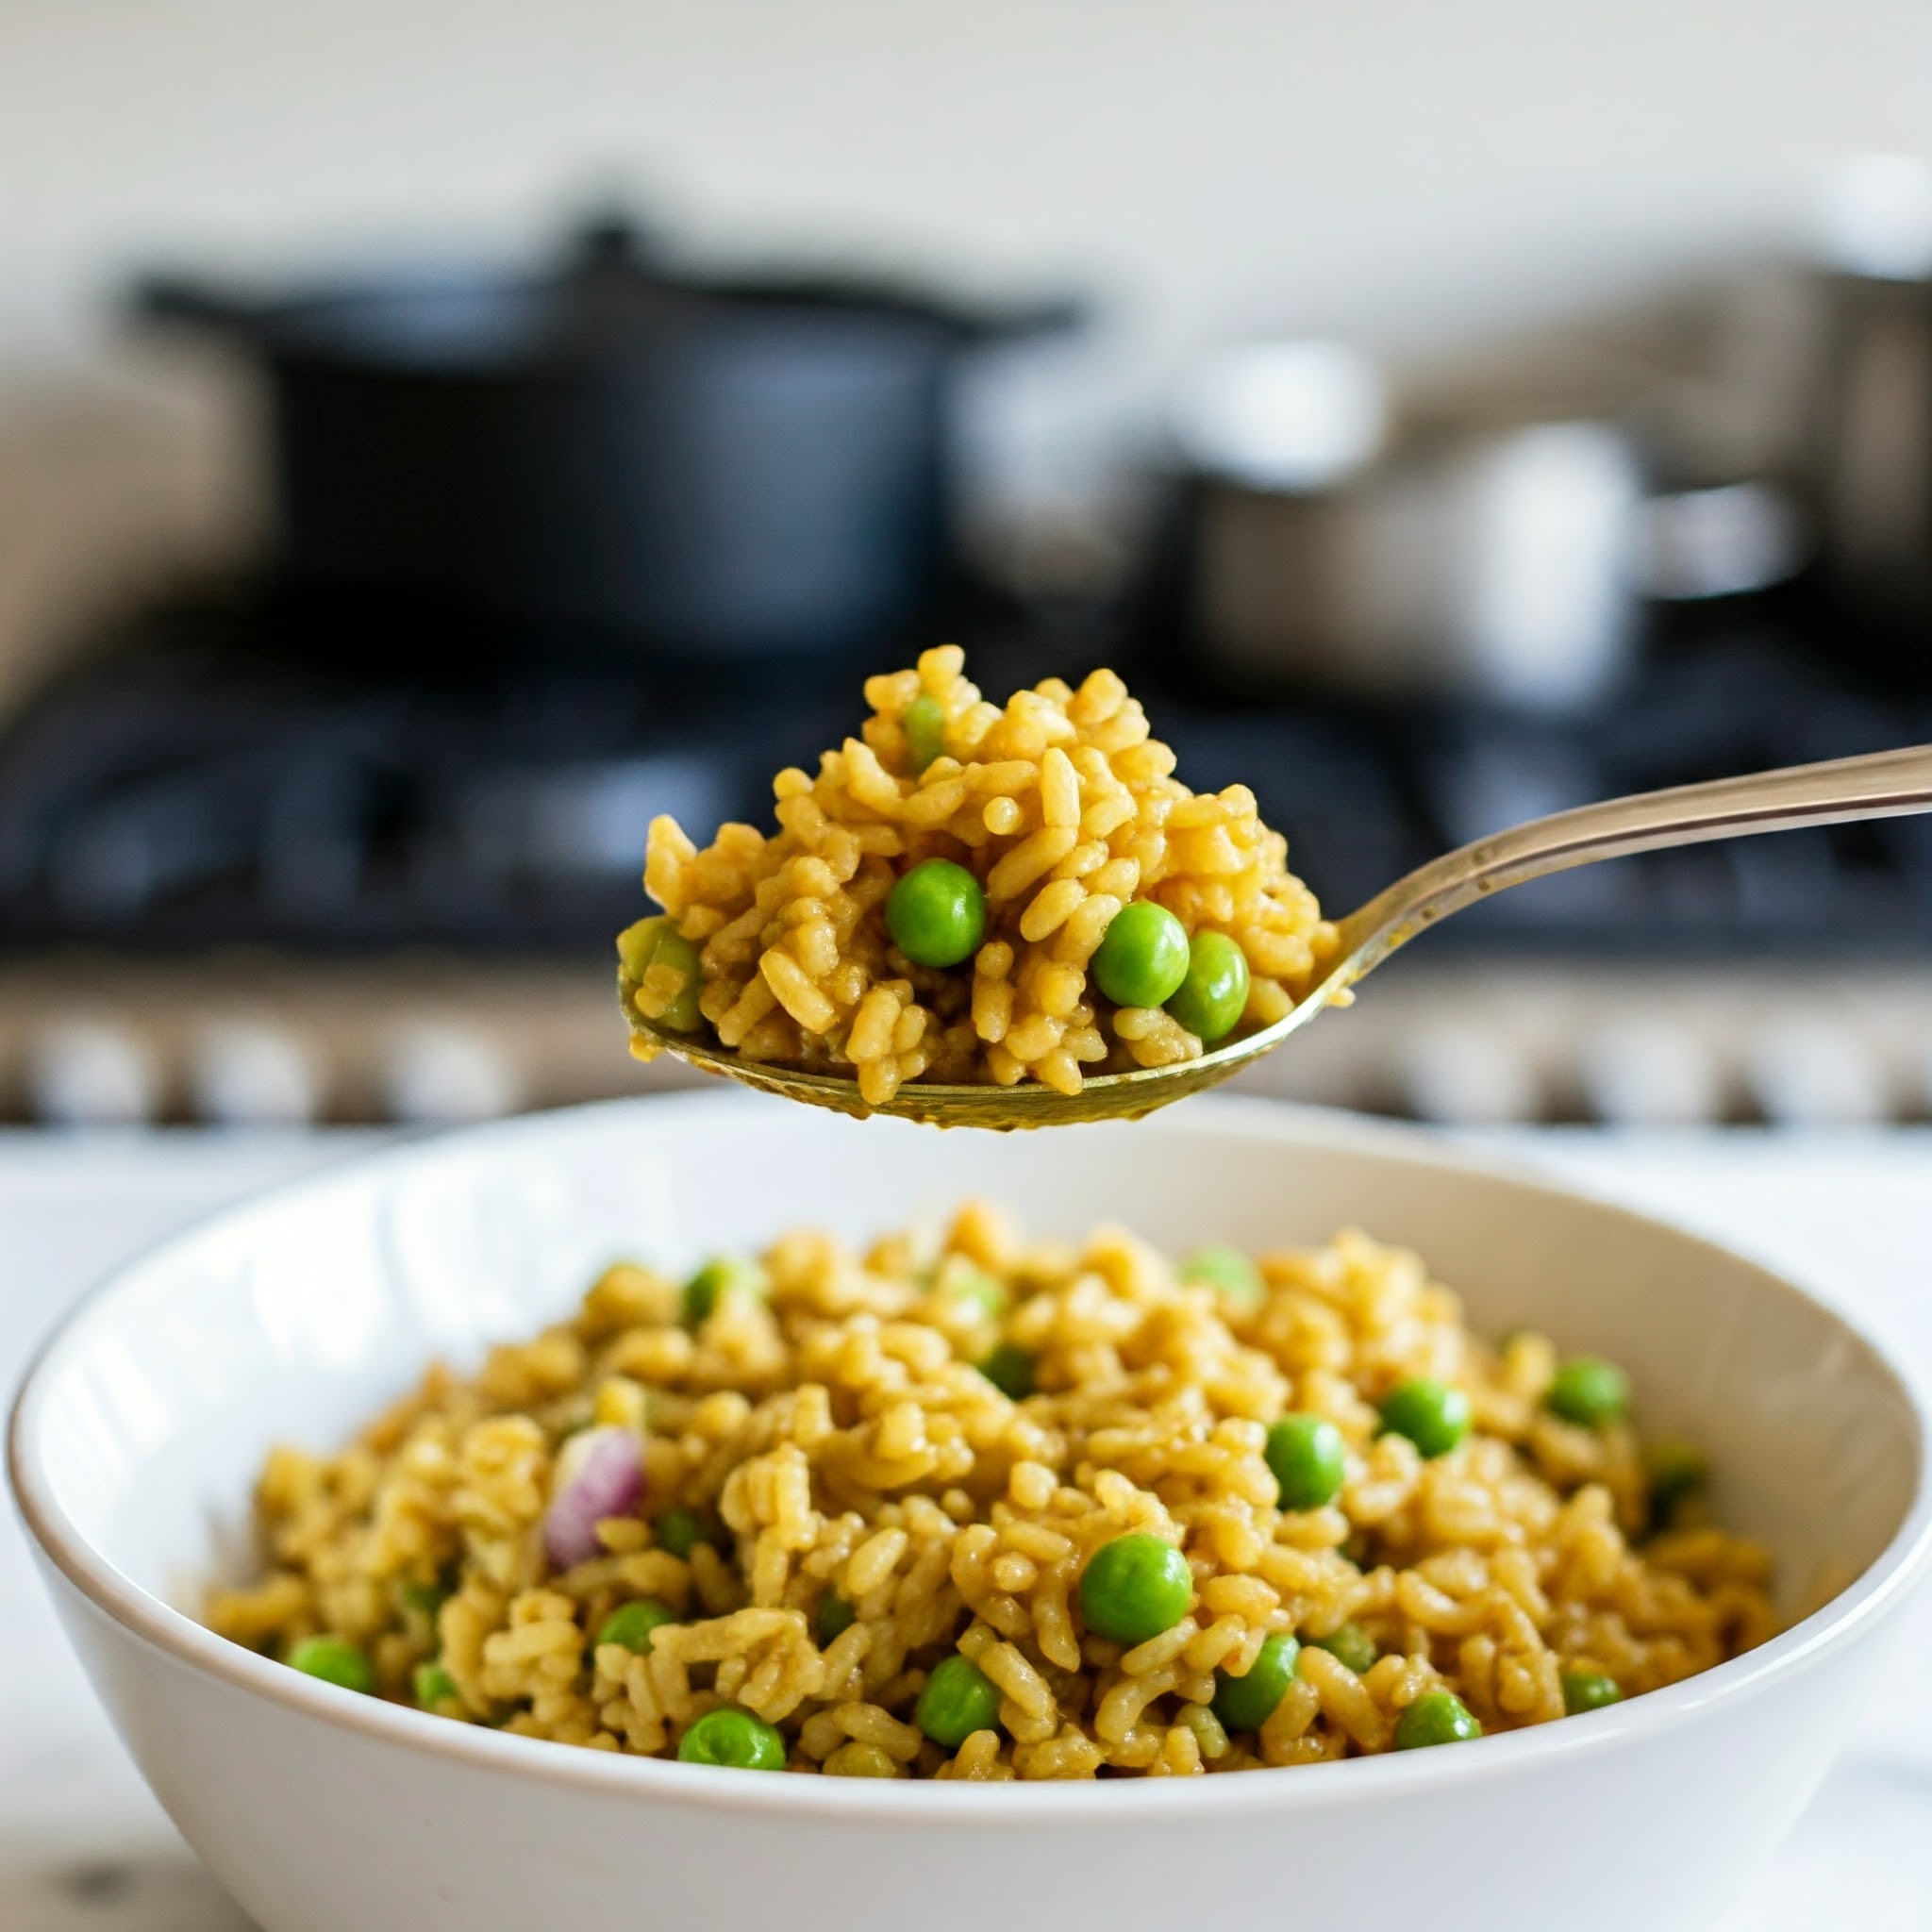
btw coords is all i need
(730, 467)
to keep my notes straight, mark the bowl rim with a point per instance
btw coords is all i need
(61, 1547)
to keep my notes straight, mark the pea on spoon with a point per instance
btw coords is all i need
(1885, 784)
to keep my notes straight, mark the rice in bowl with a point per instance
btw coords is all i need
(863, 1497)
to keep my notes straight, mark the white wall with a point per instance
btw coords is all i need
(1408, 167)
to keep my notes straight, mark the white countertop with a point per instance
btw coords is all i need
(83, 1848)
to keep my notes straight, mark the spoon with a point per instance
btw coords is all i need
(1885, 784)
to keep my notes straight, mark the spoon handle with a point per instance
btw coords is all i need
(1882, 784)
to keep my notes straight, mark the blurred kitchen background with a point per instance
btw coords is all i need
(435, 437)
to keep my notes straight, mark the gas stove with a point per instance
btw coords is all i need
(238, 771)
(248, 794)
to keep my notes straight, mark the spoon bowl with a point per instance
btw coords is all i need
(1102, 1096)
(1885, 784)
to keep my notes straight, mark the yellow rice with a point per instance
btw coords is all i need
(1065, 809)
(837, 1426)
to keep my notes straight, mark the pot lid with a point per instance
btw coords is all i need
(610, 295)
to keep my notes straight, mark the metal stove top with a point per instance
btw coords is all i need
(235, 770)
(209, 780)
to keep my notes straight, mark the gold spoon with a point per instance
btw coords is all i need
(1885, 784)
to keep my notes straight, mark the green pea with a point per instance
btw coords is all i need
(924, 724)
(959, 1699)
(1308, 1460)
(334, 1661)
(975, 1285)
(1214, 995)
(1010, 1369)
(1226, 1269)
(713, 1282)
(1675, 1468)
(1245, 1703)
(1432, 1415)
(426, 1600)
(638, 942)
(1437, 1717)
(1589, 1690)
(1350, 1644)
(937, 913)
(1588, 1391)
(631, 1624)
(834, 1618)
(681, 1530)
(1144, 958)
(658, 943)
(1134, 1587)
(735, 1738)
(433, 1686)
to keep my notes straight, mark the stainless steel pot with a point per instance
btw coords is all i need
(1872, 452)
(1489, 558)
(1496, 567)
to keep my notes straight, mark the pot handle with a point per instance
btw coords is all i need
(168, 298)
(1052, 315)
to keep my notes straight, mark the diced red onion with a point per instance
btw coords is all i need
(599, 1473)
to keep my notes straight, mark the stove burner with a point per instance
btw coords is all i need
(194, 785)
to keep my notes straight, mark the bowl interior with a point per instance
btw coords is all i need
(295, 1317)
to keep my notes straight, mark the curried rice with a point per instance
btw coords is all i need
(1063, 809)
(834, 1501)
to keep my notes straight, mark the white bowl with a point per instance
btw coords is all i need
(136, 1439)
